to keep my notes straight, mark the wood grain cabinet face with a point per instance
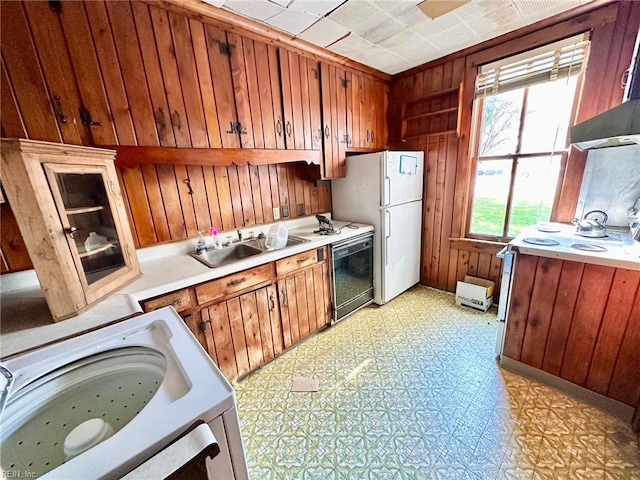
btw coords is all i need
(70, 212)
(304, 294)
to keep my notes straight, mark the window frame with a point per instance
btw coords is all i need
(476, 130)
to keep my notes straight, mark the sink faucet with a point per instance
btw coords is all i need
(6, 382)
(239, 235)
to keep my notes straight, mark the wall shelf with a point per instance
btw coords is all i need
(431, 114)
(79, 210)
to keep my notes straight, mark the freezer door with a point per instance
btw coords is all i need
(403, 175)
(401, 246)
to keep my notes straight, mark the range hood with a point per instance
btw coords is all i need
(616, 127)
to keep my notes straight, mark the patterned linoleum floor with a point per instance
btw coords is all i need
(411, 390)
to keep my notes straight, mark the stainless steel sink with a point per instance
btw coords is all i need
(225, 255)
(222, 256)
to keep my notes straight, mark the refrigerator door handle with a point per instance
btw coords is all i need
(386, 238)
(387, 191)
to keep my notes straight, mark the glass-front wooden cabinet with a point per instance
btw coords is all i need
(70, 212)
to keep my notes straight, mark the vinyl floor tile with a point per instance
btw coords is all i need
(412, 390)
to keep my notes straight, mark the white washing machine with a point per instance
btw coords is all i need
(145, 382)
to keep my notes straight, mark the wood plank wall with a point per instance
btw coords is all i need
(447, 255)
(163, 210)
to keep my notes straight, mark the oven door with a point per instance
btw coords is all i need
(352, 275)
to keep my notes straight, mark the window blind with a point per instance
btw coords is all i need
(548, 63)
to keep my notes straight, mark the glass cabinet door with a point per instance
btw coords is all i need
(83, 199)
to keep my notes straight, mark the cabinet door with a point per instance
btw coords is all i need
(242, 333)
(304, 303)
(334, 120)
(87, 202)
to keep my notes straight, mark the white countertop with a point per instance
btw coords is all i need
(27, 323)
(621, 250)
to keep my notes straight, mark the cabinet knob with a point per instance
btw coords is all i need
(326, 131)
(279, 128)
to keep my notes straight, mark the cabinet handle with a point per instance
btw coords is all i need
(367, 135)
(202, 325)
(70, 231)
(272, 307)
(279, 127)
(285, 300)
(289, 128)
(237, 282)
(372, 136)
(57, 109)
(300, 260)
(177, 302)
(326, 131)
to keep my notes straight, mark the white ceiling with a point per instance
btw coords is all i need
(394, 35)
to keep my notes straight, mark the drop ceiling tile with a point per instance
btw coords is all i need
(358, 16)
(394, 6)
(316, 7)
(256, 9)
(383, 30)
(324, 32)
(534, 10)
(410, 16)
(291, 21)
(215, 3)
(282, 3)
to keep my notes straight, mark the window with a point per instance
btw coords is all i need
(522, 112)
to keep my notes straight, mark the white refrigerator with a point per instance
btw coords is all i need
(384, 189)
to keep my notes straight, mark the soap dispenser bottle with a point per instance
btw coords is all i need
(201, 246)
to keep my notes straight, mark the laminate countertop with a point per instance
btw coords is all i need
(26, 323)
(617, 249)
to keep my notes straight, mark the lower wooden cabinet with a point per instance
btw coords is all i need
(248, 318)
(305, 304)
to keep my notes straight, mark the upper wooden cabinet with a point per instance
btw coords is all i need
(71, 215)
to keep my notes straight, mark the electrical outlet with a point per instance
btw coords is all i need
(300, 209)
(276, 213)
(285, 211)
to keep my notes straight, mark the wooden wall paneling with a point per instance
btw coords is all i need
(306, 185)
(12, 124)
(151, 63)
(171, 76)
(256, 194)
(484, 265)
(315, 200)
(14, 251)
(190, 84)
(110, 67)
(251, 322)
(614, 325)
(55, 63)
(473, 264)
(238, 336)
(264, 179)
(199, 198)
(212, 196)
(248, 212)
(275, 189)
(439, 210)
(224, 197)
(298, 184)
(222, 86)
(449, 164)
(453, 270)
(253, 91)
(183, 183)
(462, 264)
(541, 310)
(266, 95)
(625, 382)
(495, 275)
(141, 218)
(240, 91)
(23, 70)
(586, 321)
(135, 81)
(525, 268)
(223, 340)
(276, 95)
(304, 103)
(171, 201)
(236, 198)
(294, 198)
(154, 195)
(428, 208)
(286, 199)
(206, 86)
(264, 323)
(566, 297)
